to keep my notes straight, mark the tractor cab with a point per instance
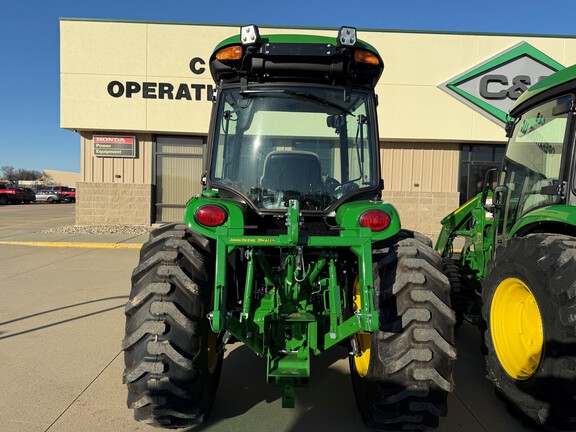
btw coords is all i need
(536, 170)
(295, 119)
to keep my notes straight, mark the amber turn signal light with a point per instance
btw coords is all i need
(233, 52)
(366, 57)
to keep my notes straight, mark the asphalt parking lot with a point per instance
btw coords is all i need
(62, 322)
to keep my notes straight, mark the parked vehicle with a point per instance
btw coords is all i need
(10, 193)
(290, 248)
(68, 192)
(30, 196)
(518, 262)
(49, 196)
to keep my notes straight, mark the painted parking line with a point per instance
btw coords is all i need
(75, 245)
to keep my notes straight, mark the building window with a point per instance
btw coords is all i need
(475, 160)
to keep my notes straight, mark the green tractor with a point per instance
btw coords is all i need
(516, 273)
(289, 249)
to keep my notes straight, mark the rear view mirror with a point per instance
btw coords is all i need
(335, 121)
(490, 184)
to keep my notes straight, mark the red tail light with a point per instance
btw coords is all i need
(376, 220)
(211, 215)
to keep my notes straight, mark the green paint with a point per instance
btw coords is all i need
(285, 308)
(482, 230)
(294, 298)
(521, 50)
(294, 39)
(548, 84)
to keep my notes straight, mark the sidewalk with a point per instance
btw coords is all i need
(53, 225)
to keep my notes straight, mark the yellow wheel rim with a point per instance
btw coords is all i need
(516, 327)
(362, 362)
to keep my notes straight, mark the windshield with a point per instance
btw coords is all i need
(533, 159)
(307, 143)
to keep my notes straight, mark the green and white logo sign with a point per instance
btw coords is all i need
(492, 87)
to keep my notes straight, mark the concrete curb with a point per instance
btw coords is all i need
(75, 245)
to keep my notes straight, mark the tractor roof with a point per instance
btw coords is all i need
(297, 58)
(556, 84)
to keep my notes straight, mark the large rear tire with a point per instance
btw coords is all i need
(173, 359)
(529, 299)
(403, 374)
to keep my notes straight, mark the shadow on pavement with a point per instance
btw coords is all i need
(243, 386)
(10, 335)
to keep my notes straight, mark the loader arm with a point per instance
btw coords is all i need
(472, 223)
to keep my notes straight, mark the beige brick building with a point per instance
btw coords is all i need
(442, 101)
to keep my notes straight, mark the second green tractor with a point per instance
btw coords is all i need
(515, 273)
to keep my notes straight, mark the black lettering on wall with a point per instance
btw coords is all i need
(183, 92)
(197, 90)
(165, 89)
(149, 90)
(132, 88)
(161, 90)
(194, 65)
(115, 89)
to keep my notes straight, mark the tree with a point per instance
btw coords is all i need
(14, 174)
(8, 173)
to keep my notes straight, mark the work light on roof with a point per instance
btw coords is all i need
(249, 35)
(347, 36)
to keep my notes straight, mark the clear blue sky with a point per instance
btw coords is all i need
(30, 134)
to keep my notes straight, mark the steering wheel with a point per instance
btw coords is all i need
(345, 188)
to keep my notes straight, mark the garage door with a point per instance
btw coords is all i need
(178, 169)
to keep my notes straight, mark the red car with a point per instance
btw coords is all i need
(68, 192)
(12, 194)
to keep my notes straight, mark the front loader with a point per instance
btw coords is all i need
(515, 275)
(289, 249)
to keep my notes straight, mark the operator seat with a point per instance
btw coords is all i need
(292, 171)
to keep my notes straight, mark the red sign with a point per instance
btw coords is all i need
(114, 146)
